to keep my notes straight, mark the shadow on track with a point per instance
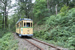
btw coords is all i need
(26, 37)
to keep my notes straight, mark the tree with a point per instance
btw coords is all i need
(40, 9)
(25, 8)
(4, 8)
(0, 20)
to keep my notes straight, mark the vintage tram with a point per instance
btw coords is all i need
(24, 27)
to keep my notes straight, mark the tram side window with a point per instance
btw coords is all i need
(21, 24)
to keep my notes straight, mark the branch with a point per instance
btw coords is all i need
(1, 1)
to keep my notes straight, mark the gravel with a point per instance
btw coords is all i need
(24, 45)
(45, 47)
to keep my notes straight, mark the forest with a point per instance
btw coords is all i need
(54, 20)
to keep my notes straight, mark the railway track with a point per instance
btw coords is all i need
(38, 48)
(42, 45)
(48, 44)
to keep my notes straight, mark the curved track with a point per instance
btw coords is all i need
(42, 45)
(35, 45)
(48, 44)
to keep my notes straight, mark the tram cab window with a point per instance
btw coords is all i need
(24, 24)
(28, 25)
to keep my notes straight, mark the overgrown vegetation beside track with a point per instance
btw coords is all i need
(60, 29)
(7, 42)
(3, 31)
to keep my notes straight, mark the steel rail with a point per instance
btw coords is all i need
(34, 44)
(48, 44)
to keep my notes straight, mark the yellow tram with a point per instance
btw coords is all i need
(24, 27)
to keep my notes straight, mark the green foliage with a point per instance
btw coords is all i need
(7, 42)
(60, 29)
(71, 42)
(25, 8)
(40, 11)
(12, 22)
(64, 10)
(39, 22)
(2, 32)
(36, 34)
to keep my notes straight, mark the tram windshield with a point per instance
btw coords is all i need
(27, 24)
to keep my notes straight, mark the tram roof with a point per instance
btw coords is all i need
(23, 19)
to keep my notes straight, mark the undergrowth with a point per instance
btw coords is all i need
(7, 42)
(60, 29)
(2, 32)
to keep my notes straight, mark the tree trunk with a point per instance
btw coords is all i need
(48, 6)
(26, 12)
(56, 9)
(5, 14)
(3, 22)
(67, 2)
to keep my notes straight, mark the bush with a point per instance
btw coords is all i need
(64, 10)
(60, 29)
(71, 42)
(7, 42)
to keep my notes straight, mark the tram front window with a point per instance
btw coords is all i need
(28, 25)
(24, 24)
